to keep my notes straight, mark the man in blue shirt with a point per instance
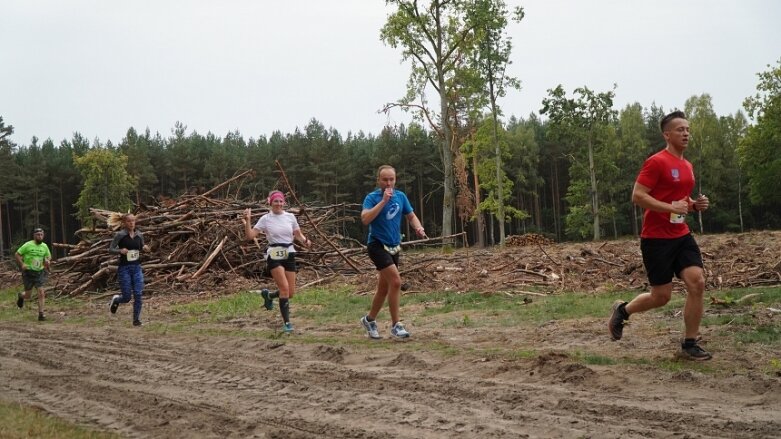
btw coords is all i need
(382, 212)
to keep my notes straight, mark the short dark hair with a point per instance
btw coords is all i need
(669, 118)
(37, 230)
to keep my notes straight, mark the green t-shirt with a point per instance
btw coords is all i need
(34, 254)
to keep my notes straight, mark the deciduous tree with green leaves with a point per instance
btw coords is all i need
(438, 37)
(579, 120)
(760, 150)
(493, 57)
(106, 183)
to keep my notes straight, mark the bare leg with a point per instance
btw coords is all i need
(659, 296)
(694, 279)
(291, 283)
(41, 298)
(278, 273)
(388, 285)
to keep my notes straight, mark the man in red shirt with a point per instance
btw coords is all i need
(662, 188)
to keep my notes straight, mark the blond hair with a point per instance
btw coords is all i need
(384, 167)
(116, 220)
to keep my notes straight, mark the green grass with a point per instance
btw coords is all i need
(741, 319)
(19, 421)
(762, 334)
(52, 305)
(511, 310)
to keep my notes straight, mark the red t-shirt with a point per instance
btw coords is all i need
(670, 178)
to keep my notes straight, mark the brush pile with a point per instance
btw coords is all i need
(198, 245)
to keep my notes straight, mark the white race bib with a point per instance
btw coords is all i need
(37, 264)
(677, 218)
(132, 255)
(278, 253)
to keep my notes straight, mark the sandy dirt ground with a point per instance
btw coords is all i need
(449, 381)
(144, 384)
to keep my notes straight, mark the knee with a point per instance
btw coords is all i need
(696, 287)
(394, 283)
(661, 298)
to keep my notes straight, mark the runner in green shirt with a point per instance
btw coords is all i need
(33, 258)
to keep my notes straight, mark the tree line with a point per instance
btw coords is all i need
(554, 169)
(566, 172)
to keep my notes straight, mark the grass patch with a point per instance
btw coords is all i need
(19, 421)
(478, 310)
(763, 334)
(225, 308)
(595, 360)
(52, 305)
(331, 306)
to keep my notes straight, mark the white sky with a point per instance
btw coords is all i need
(100, 66)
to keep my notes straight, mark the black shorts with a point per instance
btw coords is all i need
(33, 279)
(664, 258)
(289, 263)
(380, 256)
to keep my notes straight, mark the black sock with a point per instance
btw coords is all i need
(689, 342)
(622, 310)
(369, 319)
(273, 295)
(284, 308)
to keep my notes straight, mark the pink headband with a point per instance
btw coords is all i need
(276, 196)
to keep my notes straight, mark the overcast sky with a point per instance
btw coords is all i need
(100, 66)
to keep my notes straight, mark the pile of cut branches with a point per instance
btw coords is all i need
(198, 244)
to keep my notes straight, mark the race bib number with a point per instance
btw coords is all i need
(132, 255)
(677, 218)
(278, 253)
(392, 250)
(37, 264)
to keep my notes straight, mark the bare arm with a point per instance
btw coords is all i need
(249, 232)
(301, 238)
(416, 225)
(641, 196)
(368, 215)
(20, 261)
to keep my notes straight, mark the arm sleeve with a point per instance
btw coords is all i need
(261, 224)
(406, 209)
(114, 247)
(649, 174)
(294, 222)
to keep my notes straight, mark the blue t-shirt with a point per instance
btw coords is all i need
(386, 227)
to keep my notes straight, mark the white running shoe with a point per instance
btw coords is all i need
(398, 331)
(114, 304)
(371, 328)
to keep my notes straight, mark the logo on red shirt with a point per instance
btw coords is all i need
(676, 175)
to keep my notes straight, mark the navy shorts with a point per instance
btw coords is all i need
(33, 279)
(380, 256)
(664, 258)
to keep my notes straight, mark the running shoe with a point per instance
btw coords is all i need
(616, 323)
(268, 302)
(20, 300)
(41, 317)
(694, 352)
(287, 328)
(371, 328)
(398, 331)
(137, 323)
(113, 304)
